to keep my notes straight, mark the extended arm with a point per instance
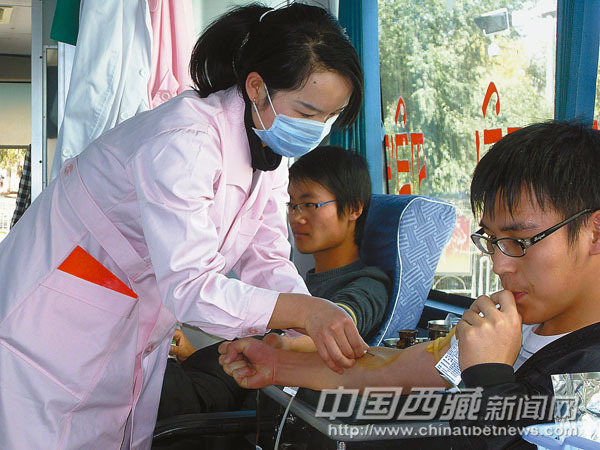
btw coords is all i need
(254, 364)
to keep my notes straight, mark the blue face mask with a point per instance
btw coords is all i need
(291, 136)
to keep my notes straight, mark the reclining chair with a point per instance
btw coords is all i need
(404, 236)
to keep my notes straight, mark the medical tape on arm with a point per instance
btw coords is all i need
(435, 346)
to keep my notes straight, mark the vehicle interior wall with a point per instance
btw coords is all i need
(15, 101)
(15, 114)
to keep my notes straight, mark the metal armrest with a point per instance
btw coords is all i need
(228, 422)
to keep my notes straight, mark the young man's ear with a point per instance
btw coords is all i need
(595, 224)
(355, 211)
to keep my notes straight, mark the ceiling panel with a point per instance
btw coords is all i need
(15, 37)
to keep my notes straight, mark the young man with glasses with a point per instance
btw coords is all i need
(330, 192)
(537, 195)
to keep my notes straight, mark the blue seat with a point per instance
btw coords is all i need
(405, 236)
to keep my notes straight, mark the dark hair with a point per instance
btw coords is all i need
(284, 46)
(557, 165)
(342, 172)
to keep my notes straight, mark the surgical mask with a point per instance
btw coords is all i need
(291, 136)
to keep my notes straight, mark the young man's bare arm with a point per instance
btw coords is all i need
(255, 364)
(297, 344)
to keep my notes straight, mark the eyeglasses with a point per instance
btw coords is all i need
(517, 247)
(307, 207)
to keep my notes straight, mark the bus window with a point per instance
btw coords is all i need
(455, 77)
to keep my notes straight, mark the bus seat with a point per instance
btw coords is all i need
(405, 236)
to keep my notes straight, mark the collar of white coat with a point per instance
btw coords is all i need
(237, 160)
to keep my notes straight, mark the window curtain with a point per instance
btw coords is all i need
(359, 18)
(577, 40)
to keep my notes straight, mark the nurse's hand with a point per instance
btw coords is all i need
(335, 336)
(330, 327)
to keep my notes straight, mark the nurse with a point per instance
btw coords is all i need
(146, 225)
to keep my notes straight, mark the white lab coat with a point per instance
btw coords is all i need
(111, 71)
(169, 203)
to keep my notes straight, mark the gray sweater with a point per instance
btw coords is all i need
(364, 290)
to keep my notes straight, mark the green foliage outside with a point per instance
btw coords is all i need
(11, 157)
(436, 58)
(11, 165)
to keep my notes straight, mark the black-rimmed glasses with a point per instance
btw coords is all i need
(305, 207)
(517, 247)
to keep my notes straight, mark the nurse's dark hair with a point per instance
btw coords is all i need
(284, 47)
(556, 164)
(342, 172)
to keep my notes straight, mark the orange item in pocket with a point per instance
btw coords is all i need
(83, 265)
